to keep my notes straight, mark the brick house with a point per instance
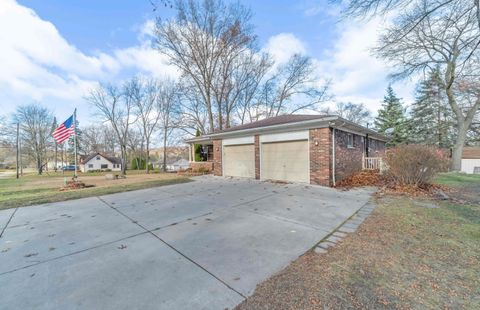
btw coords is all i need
(315, 149)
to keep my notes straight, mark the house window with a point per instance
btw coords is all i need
(349, 140)
(476, 170)
(104, 166)
(90, 165)
(98, 157)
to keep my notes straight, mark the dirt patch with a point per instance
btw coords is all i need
(404, 256)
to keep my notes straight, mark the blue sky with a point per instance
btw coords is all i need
(53, 51)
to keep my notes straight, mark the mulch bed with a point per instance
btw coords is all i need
(75, 184)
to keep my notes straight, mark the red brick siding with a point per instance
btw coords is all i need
(208, 165)
(257, 157)
(348, 160)
(320, 154)
(217, 157)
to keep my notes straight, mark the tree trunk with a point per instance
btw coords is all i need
(147, 155)
(458, 148)
(124, 159)
(165, 151)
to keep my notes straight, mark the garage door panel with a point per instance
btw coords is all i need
(286, 161)
(239, 160)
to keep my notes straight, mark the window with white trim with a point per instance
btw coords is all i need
(349, 140)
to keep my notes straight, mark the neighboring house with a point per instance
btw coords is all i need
(315, 149)
(471, 159)
(180, 164)
(98, 161)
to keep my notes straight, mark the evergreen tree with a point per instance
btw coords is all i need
(391, 119)
(198, 148)
(431, 119)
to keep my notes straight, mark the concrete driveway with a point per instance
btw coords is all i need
(199, 245)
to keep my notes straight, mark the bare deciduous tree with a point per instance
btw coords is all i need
(294, 80)
(365, 8)
(145, 97)
(167, 107)
(115, 106)
(449, 40)
(35, 130)
(98, 138)
(203, 41)
(353, 112)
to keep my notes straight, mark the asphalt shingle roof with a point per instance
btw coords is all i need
(277, 120)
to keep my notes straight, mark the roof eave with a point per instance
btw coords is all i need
(331, 121)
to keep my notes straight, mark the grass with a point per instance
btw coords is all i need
(35, 189)
(409, 254)
(457, 179)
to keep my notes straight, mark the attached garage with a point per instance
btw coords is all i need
(239, 160)
(285, 161)
(311, 149)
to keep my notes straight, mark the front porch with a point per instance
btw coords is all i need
(200, 156)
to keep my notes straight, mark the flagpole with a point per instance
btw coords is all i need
(75, 140)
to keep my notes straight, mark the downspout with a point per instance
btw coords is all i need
(333, 156)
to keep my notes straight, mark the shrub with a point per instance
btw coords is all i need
(203, 170)
(414, 164)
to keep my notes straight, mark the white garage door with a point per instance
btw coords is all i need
(285, 161)
(239, 161)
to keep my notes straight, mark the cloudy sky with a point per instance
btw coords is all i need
(54, 51)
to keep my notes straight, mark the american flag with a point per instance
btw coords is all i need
(64, 131)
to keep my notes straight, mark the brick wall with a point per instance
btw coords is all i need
(206, 165)
(217, 157)
(257, 157)
(348, 160)
(320, 154)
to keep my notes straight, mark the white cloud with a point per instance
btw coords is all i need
(283, 46)
(356, 74)
(39, 64)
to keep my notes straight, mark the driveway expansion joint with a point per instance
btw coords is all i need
(173, 248)
(8, 222)
(73, 253)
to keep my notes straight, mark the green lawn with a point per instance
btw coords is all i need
(457, 179)
(34, 189)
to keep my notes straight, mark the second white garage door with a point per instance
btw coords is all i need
(285, 161)
(239, 160)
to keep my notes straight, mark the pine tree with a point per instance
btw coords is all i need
(391, 119)
(431, 119)
(198, 148)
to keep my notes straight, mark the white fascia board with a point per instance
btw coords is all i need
(238, 141)
(284, 136)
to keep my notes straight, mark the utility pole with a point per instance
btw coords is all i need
(56, 145)
(75, 141)
(18, 149)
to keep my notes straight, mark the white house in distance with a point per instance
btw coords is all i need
(471, 159)
(180, 164)
(98, 161)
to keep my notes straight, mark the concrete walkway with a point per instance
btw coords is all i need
(199, 245)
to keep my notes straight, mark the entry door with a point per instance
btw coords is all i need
(239, 160)
(285, 161)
